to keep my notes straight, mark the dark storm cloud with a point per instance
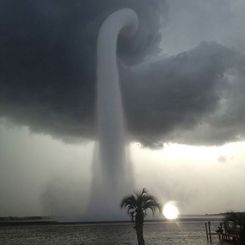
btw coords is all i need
(48, 52)
(176, 93)
(47, 73)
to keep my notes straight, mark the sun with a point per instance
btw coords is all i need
(170, 211)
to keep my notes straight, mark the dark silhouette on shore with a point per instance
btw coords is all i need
(234, 224)
(137, 205)
(231, 229)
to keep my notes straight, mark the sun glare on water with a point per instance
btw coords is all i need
(170, 211)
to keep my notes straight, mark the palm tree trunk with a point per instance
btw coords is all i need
(139, 232)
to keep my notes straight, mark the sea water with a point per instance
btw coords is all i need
(155, 233)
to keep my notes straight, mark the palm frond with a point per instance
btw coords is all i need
(128, 201)
(153, 206)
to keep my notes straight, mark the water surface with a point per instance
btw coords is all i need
(179, 233)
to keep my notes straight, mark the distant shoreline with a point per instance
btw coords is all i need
(17, 221)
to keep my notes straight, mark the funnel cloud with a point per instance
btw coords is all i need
(112, 172)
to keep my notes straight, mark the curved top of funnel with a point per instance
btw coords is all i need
(123, 21)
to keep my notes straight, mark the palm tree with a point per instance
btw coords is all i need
(137, 206)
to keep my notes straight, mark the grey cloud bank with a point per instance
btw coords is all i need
(195, 96)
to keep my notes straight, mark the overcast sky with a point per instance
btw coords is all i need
(182, 80)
